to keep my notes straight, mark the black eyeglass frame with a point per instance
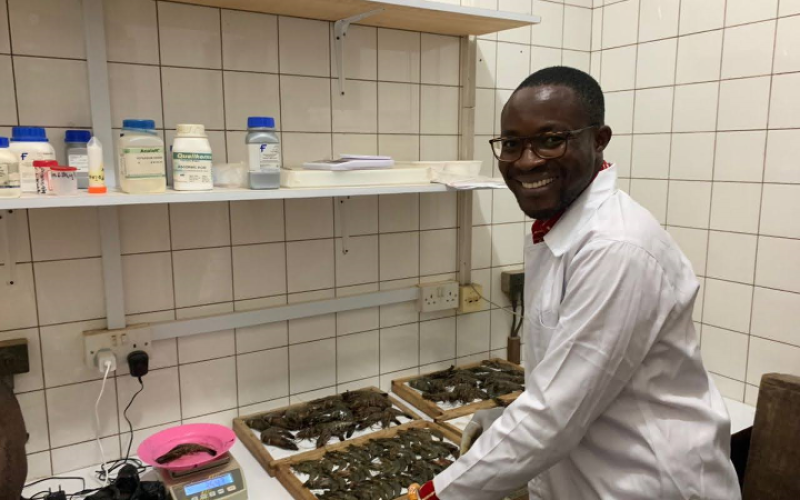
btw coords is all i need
(567, 135)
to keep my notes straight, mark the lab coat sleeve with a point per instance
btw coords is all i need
(616, 300)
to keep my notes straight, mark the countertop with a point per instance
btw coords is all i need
(262, 487)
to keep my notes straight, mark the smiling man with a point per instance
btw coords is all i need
(617, 404)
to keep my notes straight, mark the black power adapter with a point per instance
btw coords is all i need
(138, 363)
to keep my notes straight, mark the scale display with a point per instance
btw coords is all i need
(209, 484)
(220, 479)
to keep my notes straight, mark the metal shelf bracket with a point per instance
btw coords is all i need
(340, 29)
(344, 215)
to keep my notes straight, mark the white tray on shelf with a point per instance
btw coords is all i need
(325, 179)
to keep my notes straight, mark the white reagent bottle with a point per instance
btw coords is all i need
(9, 171)
(191, 159)
(30, 144)
(141, 158)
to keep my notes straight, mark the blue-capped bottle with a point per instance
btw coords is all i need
(263, 153)
(141, 158)
(30, 144)
(9, 171)
(77, 155)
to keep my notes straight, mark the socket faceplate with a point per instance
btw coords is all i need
(121, 342)
(438, 296)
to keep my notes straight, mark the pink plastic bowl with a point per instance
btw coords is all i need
(216, 437)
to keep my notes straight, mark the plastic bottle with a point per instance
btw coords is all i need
(30, 144)
(77, 156)
(42, 171)
(9, 171)
(264, 153)
(191, 159)
(141, 158)
(63, 180)
(97, 174)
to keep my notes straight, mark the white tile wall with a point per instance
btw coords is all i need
(718, 164)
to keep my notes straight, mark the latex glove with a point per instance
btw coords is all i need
(482, 420)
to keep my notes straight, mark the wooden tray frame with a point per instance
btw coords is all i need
(299, 492)
(433, 410)
(263, 456)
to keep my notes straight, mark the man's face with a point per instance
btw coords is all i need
(535, 111)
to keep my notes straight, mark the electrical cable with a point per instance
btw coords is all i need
(519, 325)
(105, 473)
(506, 309)
(514, 317)
(97, 423)
(55, 478)
(125, 414)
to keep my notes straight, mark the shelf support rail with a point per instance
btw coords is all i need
(242, 319)
(99, 95)
(340, 29)
(466, 152)
(8, 248)
(112, 267)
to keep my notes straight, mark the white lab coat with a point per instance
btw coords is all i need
(617, 404)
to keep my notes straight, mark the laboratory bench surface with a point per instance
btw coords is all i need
(262, 487)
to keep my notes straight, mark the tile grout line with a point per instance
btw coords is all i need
(713, 165)
(761, 200)
(672, 114)
(169, 220)
(229, 216)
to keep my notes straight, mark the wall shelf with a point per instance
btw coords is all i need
(414, 15)
(117, 198)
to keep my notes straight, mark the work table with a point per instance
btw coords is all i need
(262, 487)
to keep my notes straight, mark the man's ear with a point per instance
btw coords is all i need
(601, 138)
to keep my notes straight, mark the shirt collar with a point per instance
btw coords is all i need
(541, 227)
(563, 235)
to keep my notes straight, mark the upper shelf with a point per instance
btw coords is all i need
(414, 15)
(113, 198)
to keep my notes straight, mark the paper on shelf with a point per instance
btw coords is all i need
(475, 182)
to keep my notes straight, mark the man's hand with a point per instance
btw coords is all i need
(482, 420)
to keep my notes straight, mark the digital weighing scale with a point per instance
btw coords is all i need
(219, 479)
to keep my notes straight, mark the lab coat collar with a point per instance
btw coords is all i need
(572, 225)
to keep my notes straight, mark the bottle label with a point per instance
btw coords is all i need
(97, 178)
(264, 156)
(81, 162)
(9, 175)
(142, 163)
(192, 168)
(27, 173)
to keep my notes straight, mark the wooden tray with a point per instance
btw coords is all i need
(521, 494)
(261, 453)
(437, 413)
(292, 483)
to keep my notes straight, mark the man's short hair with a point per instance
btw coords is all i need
(585, 87)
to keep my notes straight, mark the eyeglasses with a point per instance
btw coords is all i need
(546, 146)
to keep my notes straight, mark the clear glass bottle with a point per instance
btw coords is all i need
(263, 153)
(77, 156)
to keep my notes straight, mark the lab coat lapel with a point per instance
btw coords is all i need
(571, 227)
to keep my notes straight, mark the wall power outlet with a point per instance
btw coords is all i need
(121, 342)
(471, 300)
(438, 296)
